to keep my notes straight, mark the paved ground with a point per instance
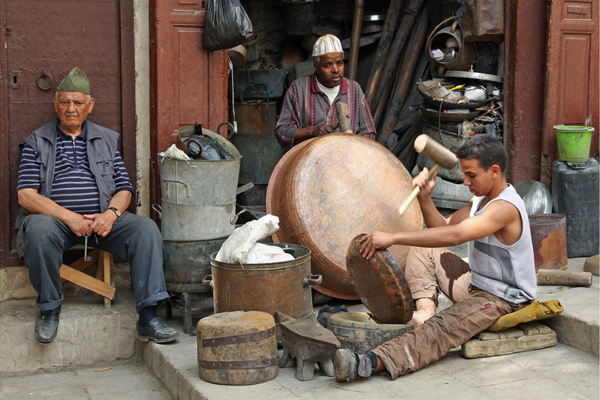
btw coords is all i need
(171, 371)
(131, 380)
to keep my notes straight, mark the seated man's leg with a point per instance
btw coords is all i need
(138, 240)
(45, 240)
(431, 269)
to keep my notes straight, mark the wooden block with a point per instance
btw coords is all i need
(523, 337)
(89, 282)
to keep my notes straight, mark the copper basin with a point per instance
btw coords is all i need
(327, 190)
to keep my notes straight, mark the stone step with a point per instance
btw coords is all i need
(88, 333)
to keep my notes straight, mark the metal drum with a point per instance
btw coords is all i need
(187, 262)
(327, 190)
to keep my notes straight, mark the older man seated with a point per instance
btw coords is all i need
(73, 184)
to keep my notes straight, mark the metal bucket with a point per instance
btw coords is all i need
(283, 287)
(195, 222)
(200, 182)
(187, 262)
(549, 238)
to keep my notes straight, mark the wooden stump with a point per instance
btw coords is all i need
(523, 337)
(237, 348)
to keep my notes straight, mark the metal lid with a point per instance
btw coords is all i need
(473, 75)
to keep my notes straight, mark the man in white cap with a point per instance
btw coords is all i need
(73, 184)
(309, 105)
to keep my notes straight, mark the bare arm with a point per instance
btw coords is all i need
(500, 217)
(102, 223)
(38, 204)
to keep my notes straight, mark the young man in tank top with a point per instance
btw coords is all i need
(499, 279)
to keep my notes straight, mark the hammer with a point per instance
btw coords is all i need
(436, 152)
(343, 118)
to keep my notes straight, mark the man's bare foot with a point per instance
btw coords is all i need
(425, 310)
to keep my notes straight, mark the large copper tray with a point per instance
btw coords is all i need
(327, 190)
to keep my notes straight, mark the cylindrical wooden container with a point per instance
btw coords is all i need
(237, 348)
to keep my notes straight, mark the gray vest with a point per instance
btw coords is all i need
(101, 149)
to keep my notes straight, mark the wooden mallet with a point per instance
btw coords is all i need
(343, 118)
(437, 153)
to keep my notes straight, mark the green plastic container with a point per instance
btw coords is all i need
(573, 142)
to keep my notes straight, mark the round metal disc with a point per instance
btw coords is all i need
(380, 284)
(473, 75)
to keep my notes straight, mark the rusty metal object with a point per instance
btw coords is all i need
(400, 39)
(483, 20)
(549, 238)
(359, 8)
(327, 190)
(387, 35)
(361, 333)
(307, 342)
(187, 262)
(415, 44)
(381, 284)
(256, 117)
(554, 277)
(260, 153)
(237, 348)
(283, 286)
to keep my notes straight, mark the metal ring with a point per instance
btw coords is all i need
(42, 77)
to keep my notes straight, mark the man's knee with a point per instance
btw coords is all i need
(145, 229)
(40, 228)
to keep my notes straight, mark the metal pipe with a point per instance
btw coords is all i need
(411, 56)
(398, 46)
(359, 8)
(387, 35)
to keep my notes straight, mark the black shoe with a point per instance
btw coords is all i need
(349, 366)
(158, 331)
(46, 325)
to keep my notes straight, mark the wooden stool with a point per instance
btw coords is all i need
(100, 284)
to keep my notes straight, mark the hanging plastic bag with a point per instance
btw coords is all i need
(227, 25)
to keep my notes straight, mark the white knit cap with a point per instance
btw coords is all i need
(327, 44)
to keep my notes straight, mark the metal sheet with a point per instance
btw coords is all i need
(327, 190)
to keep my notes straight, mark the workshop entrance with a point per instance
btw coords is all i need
(43, 41)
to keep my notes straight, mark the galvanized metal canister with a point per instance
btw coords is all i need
(283, 286)
(199, 182)
(195, 222)
(187, 262)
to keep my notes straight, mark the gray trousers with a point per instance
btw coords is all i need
(133, 238)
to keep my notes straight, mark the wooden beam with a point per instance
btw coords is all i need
(87, 281)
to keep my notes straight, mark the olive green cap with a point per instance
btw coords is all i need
(76, 81)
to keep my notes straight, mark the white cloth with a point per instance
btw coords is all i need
(331, 93)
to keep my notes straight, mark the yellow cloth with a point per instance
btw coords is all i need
(533, 312)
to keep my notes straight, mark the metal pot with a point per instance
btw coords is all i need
(283, 287)
(187, 262)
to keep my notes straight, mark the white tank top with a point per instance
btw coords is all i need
(504, 271)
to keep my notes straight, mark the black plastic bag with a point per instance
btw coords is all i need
(227, 25)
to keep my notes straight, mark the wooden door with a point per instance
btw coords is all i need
(572, 73)
(189, 84)
(44, 40)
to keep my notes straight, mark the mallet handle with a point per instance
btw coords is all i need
(416, 192)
